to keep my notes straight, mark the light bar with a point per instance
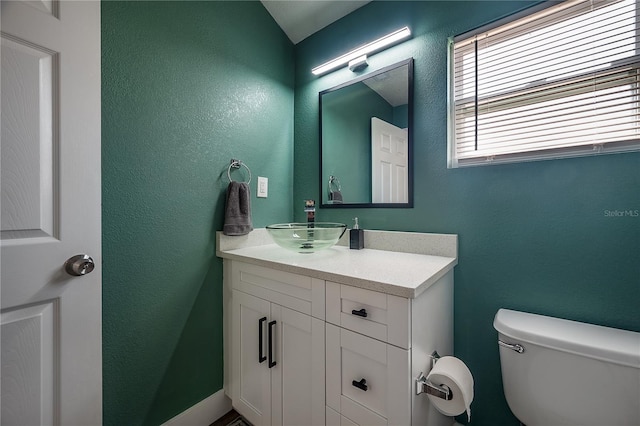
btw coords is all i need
(374, 46)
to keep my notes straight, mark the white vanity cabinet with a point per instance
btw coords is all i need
(369, 384)
(376, 345)
(336, 337)
(275, 348)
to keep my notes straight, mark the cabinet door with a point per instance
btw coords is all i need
(250, 375)
(298, 381)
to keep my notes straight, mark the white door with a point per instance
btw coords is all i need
(389, 163)
(50, 199)
(250, 372)
(298, 377)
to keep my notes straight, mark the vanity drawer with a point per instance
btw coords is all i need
(367, 381)
(378, 315)
(298, 292)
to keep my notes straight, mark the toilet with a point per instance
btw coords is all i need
(560, 372)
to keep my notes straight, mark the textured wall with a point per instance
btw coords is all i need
(186, 86)
(533, 236)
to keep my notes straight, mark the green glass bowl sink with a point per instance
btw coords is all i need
(306, 237)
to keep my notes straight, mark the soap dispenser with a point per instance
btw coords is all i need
(356, 236)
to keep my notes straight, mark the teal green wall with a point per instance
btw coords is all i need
(401, 116)
(346, 130)
(186, 86)
(532, 236)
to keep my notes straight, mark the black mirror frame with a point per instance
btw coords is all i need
(409, 204)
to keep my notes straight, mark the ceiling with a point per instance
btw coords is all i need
(391, 85)
(301, 18)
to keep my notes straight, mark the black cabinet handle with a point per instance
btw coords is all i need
(261, 358)
(361, 313)
(271, 362)
(362, 384)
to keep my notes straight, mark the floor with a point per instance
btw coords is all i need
(232, 418)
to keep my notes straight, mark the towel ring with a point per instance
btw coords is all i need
(334, 183)
(235, 164)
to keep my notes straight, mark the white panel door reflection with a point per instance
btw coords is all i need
(389, 162)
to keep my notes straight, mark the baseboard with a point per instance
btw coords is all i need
(204, 412)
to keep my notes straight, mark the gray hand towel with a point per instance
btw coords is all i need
(335, 197)
(237, 217)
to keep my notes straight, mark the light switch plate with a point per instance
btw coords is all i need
(263, 187)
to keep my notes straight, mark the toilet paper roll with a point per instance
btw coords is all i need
(454, 374)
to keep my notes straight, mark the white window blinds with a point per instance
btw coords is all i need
(562, 81)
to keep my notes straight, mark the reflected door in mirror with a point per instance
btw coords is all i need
(389, 160)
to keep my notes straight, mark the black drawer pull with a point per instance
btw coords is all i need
(261, 358)
(271, 362)
(361, 313)
(362, 384)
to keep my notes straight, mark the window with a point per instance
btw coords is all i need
(562, 81)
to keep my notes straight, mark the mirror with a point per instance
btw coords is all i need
(366, 140)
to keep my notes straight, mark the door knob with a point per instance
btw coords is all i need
(79, 265)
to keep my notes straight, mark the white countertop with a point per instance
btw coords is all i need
(398, 273)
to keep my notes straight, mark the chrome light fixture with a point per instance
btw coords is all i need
(358, 63)
(368, 48)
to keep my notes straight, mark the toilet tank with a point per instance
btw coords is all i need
(570, 373)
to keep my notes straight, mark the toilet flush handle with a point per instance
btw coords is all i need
(514, 347)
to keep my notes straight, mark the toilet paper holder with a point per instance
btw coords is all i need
(424, 386)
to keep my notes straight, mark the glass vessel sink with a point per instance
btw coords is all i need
(306, 237)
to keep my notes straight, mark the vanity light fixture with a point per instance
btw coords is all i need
(358, 63)
(368, 48)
